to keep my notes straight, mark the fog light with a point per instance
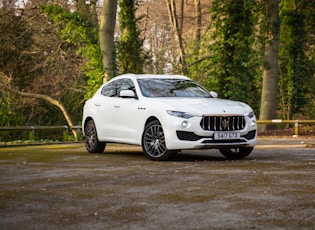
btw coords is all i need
(253, 123)
(184, 124)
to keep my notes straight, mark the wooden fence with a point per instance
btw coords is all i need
(295, 122)
(32, 130)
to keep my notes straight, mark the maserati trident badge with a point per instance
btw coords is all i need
(225, 123)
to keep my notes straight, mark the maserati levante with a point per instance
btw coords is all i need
(166, 114)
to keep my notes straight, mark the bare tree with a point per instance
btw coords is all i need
(177, 27)
(40, 62)
(197, 28)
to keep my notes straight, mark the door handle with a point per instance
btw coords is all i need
(97, 104)
(117, 106)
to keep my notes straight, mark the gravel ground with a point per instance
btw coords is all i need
(64, 187)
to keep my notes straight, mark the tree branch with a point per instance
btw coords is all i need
(46, 98)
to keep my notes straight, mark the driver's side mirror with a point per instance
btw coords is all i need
(127, 94)
(213, 94)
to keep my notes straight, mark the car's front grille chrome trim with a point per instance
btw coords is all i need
(222, 123)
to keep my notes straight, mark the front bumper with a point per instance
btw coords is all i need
(210, 142)
(187, 134)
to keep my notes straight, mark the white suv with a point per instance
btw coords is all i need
(165, 114)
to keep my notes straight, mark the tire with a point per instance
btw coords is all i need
(153, 142)
(236, 153)
(92, 144)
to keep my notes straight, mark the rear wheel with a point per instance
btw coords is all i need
(236, 153)
(153, 142)
(92, 144)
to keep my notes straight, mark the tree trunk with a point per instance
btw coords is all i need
(198, 28)
(268, 107)
(171, 6)
(107, 30)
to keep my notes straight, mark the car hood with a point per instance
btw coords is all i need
(207, 106)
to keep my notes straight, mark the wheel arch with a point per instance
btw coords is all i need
(152, 118)
(87, 119)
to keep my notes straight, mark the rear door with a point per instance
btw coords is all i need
(105, 105)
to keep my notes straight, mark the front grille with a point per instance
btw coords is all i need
(223, 123)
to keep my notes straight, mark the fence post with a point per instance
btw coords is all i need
(65, 133)
(296, 127)
(32, 133)
(78, 131)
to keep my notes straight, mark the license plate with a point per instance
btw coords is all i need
(227, 136)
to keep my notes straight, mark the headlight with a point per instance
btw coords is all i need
(251, 114)
(180, 114)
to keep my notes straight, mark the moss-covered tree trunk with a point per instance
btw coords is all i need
(107, 30)
(268, 107)
(130, 53)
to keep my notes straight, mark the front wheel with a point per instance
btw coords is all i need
(153, 142)
(92, 144)
(236, 153)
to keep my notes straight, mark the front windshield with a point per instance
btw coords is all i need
(157, 87)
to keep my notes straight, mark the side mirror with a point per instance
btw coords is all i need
(213, 94)
(127, 94)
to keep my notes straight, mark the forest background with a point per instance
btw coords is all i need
(59, 52)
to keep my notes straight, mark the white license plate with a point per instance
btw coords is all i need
(227, 136)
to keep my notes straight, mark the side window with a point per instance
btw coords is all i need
(127, 84)
(111, 89)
